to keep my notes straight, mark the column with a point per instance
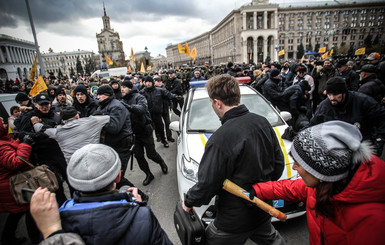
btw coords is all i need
(8, 54)
(265, 20)
(25, 55)
(255, 49)
(276, 19)
(2, 56)
(20, 51)
(244, 51)
(255, 20)
(244, 21)
(264, 48)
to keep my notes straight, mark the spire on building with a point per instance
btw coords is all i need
(104, 10)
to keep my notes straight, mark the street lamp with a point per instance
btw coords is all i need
(146, 56)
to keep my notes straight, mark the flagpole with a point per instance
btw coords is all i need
(34, 36)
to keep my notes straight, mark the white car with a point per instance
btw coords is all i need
(198, 122)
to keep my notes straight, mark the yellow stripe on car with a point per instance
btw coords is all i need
(203, 139)
(283, 148)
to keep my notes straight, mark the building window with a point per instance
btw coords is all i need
(354, 11)
(308, 40)
(353, 25)
(363, 11)
(326, 26)
(335, 38)
(326, 39)
(290, 41)
(317, 39)
(361, 37)
(281, 41)
(352, 37)
(346, 12)
(290, 47)
(343, 38)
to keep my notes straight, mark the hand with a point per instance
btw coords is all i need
(28, 140)
(44, 211)
(35, 119)
(185, 208)
(252, 193)
(135, 193)
(129, 107)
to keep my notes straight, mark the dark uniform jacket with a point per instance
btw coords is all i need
(351, 78)
(358, 109)
(373, 87)
(174, 86)
(111, 218)
(272, 91)
(244, 149)
(155, 96)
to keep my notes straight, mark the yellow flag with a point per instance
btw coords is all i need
(303, 57)
(109, 61)
(282, 52)
(129, 69)
(9, 130)
(177, 67)
(38, 87)
(142, 68)
(322, 50)
(186, 49)
(132, 56)
(360, 51)
(331, 52)
(33, 71)
(181, 48)
(325, 55)
(149, 68)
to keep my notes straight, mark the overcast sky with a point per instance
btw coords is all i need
(68, 25)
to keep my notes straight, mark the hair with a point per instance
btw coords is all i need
(14, 108)
(225, 88)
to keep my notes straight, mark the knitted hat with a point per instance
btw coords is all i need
(274, 72)
(80, 88)
(68, 113)
(106, 90)
(336, 85)
(21, 97)
(149, 79)
(60, 91)
(93, 167)
(127, 83)
(327, 150)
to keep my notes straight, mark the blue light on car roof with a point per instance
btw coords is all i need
(195, 84)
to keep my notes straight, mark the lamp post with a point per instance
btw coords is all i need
(146, 56)
(276, 52)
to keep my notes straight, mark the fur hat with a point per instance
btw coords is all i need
(93, 167)
(106, 90)
(329, 150)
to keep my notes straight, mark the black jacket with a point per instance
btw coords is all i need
(244, 149)
(118, 132)
(155, 96)
(111, 218)
(293, 98)
(272, 91)
(373, 87)
(87, 108)
(351, 78)
(174, 86)
(359, 109)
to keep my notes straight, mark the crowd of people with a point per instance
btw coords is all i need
(87, 131)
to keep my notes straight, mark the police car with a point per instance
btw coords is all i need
(198, 122)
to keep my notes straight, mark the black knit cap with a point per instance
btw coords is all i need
(149, 79)
(21, 97)
(127, 83)
(274, 73)
(60, 91)
(336, 85)
(80, 88)
(106, 90)
(68, 113)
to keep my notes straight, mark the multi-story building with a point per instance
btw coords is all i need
(258, 30)
(64, 61)
(159, 62)
(109, 43)
(16, 58)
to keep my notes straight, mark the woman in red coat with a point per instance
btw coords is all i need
(342, 183)
(9, 166)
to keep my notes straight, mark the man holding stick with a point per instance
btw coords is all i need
(244, 149)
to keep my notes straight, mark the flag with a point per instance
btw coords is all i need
(132, 56)
(149, 68)
(331, 52)
(129, 69)
(325, 55)
(38, 87)
(177, 67)
(109, 61)
(186, 49)
(303, 57)
(360, 51)
(193, 53)
(142, 68)
(251, 54)
(282, 52)
(322, 50)
(33, 71)
(181, 48)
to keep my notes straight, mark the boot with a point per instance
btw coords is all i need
(165, 144)
(164, 167)
(148, 179)
(171, 139)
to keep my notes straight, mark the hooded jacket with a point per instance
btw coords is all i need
(9, 166)
(359, 209)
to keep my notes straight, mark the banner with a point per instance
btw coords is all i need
(325, 55)
(181, 48)
(149, 68)
(282, 52)
(132, 56)
(360, 51)
(186, 49)
(331, 52)
(303, 57)
(322, 50)
(38, 87)
(129, 69)
(33, 71)
(142, 70)
(193, 53)
(109, 61)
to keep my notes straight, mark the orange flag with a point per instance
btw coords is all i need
(109, 61)
(186, 49)
(38, 87)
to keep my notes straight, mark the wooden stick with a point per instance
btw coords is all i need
(240, 192)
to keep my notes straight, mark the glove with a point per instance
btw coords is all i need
(252, 193)
(179, 97)
(129, 107)
(28, 140)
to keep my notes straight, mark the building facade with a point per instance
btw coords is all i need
(16, 58)
(109, 43)
(159, 62)
(64, 61)
(258, 30)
